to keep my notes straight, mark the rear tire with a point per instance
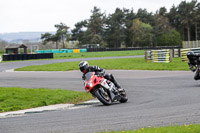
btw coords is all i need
(103, 96)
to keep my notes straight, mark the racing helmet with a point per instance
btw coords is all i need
(190, 54)
(83, 65)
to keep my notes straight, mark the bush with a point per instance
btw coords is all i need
(171, 38)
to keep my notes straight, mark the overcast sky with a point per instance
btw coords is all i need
(42, 15)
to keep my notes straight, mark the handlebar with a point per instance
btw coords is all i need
(100, 74)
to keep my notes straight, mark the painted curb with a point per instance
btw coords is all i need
(46, 109)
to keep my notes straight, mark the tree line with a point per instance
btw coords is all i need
(125, 28)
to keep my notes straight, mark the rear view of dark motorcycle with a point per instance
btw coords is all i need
(194, 63)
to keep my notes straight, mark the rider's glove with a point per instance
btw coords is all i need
(103, 72)
(100, 74)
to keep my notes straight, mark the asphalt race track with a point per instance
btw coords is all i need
(156, 98)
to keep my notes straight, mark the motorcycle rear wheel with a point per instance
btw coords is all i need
(103, 96)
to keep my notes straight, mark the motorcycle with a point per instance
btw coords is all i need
(103, 89)
(194, 63)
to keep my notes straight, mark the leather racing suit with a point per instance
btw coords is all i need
(97, 70)
(193, 62)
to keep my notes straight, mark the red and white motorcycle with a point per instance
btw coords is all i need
(103, 89)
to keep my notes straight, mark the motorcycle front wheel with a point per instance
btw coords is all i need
(124, 97)
(103, 96)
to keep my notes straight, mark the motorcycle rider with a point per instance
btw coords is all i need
(193, 62)
(84, 68)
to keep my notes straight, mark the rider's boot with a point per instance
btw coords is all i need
(118, 87)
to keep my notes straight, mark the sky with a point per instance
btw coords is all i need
(42, 15)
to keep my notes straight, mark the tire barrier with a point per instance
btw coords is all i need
(191, 44)
(104, 49)
(148, 56)
(27, 56)
(184, 53)
(61, 51)
(162, 56)
(136, 48)
(176, 53)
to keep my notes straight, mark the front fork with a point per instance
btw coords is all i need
(113, 93)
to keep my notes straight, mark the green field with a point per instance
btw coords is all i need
(14, 98)
(91, 54)
(98, 54)
(170, 129)
(127, 64)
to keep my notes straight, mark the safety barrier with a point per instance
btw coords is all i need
(164, 55)
(69, 51)
(105, 49)
(133, 48)
(61, 51)
(148, 56)
(83, 50)
(191, 44)
(76, 50)
(176, 53)
(184, 53)
(27, 56)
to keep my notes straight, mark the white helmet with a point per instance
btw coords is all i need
(83, 65)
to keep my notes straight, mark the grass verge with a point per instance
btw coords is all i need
(14, 98)
(170, 129)
(90, 54)
(127, 64)
(98, 54)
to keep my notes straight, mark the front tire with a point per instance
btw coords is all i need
(103, 96)
(123, 96)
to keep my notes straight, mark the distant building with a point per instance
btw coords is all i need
(15, 48)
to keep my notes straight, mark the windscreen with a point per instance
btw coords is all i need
(88, 76)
